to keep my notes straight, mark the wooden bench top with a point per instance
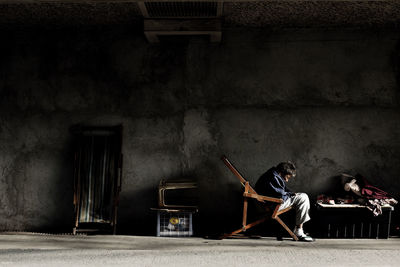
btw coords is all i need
(350, 206)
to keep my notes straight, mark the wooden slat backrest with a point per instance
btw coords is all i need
(237, 173)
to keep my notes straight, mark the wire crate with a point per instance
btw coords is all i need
(174, 223)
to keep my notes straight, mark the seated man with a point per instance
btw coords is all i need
(273, 184)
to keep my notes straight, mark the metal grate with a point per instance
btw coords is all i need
(181, 9)
(174, 224)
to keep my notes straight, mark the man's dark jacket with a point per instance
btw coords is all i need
(271, 184)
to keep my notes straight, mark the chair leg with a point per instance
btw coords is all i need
(231, 234)
(286, 228)
(244, 221)
(244, 228)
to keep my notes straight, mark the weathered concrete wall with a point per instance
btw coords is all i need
(325, 99)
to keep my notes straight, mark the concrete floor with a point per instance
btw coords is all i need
(25, 249)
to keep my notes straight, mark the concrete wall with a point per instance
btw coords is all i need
(326, 99)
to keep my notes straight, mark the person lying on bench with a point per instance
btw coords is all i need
(273, 184)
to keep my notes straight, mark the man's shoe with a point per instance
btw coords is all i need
(306, 238)
(302, 236)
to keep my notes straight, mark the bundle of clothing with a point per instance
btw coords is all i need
(374, 197)
(361, 193)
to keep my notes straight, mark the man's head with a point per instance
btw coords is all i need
(287, 170)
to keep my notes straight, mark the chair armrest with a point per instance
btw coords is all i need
(263, 198)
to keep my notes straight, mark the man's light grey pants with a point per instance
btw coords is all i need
(301, 205)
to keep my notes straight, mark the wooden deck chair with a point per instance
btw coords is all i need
(250, 193)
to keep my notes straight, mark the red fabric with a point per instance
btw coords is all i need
(371, 192)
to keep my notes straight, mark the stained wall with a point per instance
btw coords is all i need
(327, 99)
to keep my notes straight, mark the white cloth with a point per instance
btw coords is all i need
(301, 205)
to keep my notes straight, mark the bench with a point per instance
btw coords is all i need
(351, 221)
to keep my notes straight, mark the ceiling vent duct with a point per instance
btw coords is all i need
(164, 18)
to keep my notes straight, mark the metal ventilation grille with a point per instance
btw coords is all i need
(181, 9)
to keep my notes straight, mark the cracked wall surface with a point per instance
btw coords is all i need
(325, 99)
(315, 14)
